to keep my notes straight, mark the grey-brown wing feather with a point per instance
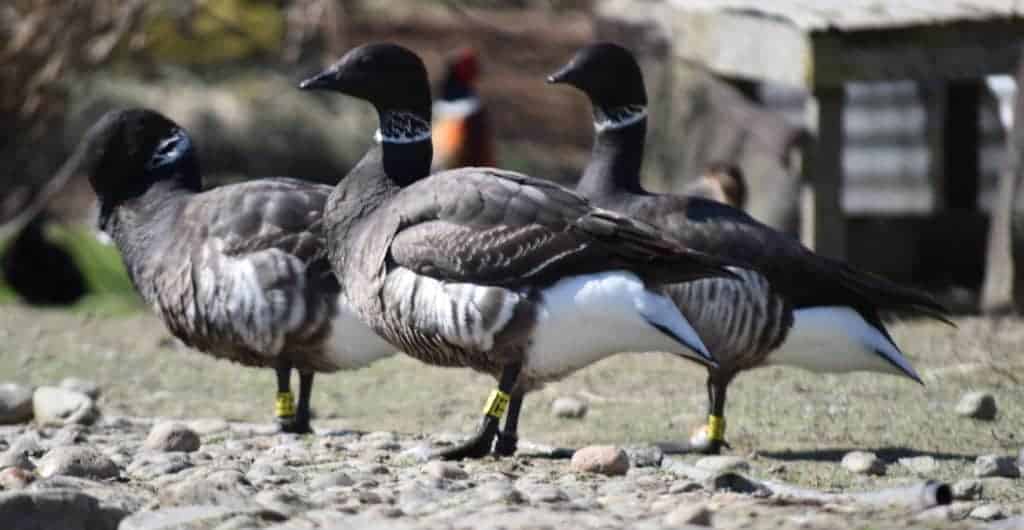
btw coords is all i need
(502, 228)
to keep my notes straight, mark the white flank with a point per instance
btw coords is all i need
(838, 339)
(586, 318)
(456, 108)
(352, 343)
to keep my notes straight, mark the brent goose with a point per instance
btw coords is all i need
(488, 269)
(39, 271)
(800, 309)
(462, 130)
(722, 182)
(240, 271)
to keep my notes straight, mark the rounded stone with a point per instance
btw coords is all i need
(603, 459)
(977, 405)
(996, 466)
(697, 515)
(15, 403)
(863, 463)
(15, 478)
(59, 406)
(724, 463)
(171, 437)
(83, 386)
(568, 407)
(921, 465)
(447, 470)
(330, 480)
(967, 490)
(987, 512)
(77, 461)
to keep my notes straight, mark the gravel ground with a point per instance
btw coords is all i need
(223, 466)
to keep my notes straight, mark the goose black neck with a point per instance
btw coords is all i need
(616, 158)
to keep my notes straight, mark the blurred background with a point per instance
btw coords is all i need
(227, 70)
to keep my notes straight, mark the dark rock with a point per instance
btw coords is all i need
(977, 405)
(15, 403)
(56, 509)
(996, 466)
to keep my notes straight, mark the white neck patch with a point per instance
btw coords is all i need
(456, 108)
(619, 117)
(402, 127)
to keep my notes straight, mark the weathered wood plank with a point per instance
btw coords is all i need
(825, 173)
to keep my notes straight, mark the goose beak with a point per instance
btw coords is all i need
(565, 75)
(319, 81)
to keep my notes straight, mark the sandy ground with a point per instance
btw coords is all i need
(793, 425)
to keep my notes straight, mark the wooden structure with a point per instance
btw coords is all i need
(819, 45)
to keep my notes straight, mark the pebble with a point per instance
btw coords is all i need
(59, 406)
(15, 403)
(603, 459)
(543, 493)
(283, 502)
(977, 405)
(721, 464)
(14, 458)
(568, 407)
(205, 426)
(996, 466)
(499, 492)
(63, 509)
(966, 490)
(685, 486)
(15, 478)
(445, 470)
(987, 512)
(921, 465)
(223, 488)
(171, 437)
(151, 465)
(330, 480)
(81, 386)
(697, 515)
(645, 456)
(863, 463)
(77, 461)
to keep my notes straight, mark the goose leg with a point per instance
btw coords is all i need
(711, 437)
(508, 438)
(479, 445)
(284, 403)
(302, 413)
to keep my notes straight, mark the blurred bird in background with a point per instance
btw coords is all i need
(722, 182)
(462, 131)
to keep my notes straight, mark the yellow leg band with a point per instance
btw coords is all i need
(284, 405)
(496, 404)
(716, 428)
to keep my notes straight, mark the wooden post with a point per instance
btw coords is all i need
(961, 134)
(823, 169)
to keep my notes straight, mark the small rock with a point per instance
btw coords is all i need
(996, 466)
(645, 456)
(499, 492)
(921, 465)
(222, 488)
(730, 481)
(446, 470)
(15, 403)
(77, 461)
(987, 512)
(543, 493)
(568, 407)
(151, 465)
(171, 437)
(697, 515)
(209, 425)
(82, 386)
(283, 502)
(13, 458)
(331, 480)
(603, 459)
(863, 463)
(966, 490)
(67, 510)
(58, 406)
(685, 486)
(721, 464)
(977, 405)
(15, 478)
